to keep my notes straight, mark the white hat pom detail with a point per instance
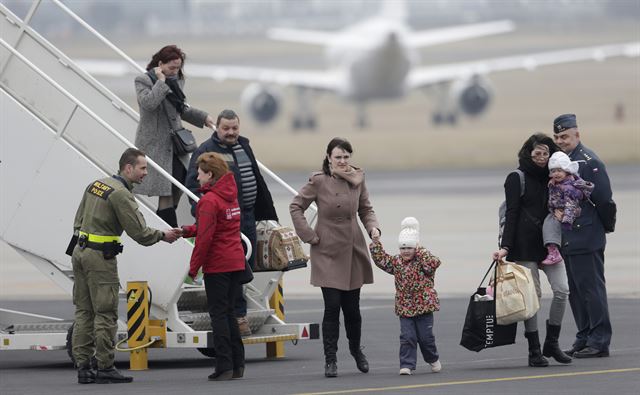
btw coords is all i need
(409, 233)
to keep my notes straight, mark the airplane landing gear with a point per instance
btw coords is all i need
(304, 117)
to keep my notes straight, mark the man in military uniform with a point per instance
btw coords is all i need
(583, 247)
(107, 209)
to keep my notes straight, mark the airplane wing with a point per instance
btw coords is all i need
(312, 79)
(425, 76)
(300, 36)
(457, 33)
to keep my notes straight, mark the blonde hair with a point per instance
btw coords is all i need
(210, 162)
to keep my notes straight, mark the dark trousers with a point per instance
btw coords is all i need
(221, 289)
(588, 299)
(348, 301)
(248, 227)
(416, 331)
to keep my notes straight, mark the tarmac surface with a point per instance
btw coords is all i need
(501, 370)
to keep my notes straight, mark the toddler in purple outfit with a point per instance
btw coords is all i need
(566, 191)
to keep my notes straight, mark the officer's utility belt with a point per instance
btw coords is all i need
(109, 245)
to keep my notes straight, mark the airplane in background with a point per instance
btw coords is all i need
(377, 59)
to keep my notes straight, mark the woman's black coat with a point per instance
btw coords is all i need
(525, 214)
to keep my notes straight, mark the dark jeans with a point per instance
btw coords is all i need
(588, 299)
(221, 288)
(335, 299)
(248, 227)
(417, 331)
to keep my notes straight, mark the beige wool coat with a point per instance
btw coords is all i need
(153, 134)
(339, 253)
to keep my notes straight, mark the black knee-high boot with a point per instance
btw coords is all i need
(535, 355)
(551, 347)
(330, 335)
(169, 216)
(354, 333)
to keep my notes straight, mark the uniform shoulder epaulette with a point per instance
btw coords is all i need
(315, 174)
(586, 155)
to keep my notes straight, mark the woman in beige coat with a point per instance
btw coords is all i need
(162, 109)
(340, 262)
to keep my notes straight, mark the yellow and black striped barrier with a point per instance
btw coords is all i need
(276, 349)
(138, 323)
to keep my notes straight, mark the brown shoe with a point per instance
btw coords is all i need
(243, 326)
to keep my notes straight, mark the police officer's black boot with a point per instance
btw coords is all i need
(330, 334)
(169, 216)
(551, 347)
(86, 375)
(535, 355)
(354, 333)
(111, 376)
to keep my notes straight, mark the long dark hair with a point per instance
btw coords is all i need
(535, 140)
(335, 142)
(165, 55)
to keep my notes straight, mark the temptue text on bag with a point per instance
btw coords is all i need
(481, 329)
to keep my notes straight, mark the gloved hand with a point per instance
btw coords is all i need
(566, 226)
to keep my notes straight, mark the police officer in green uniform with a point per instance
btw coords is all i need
(583, 246)
(107, 209)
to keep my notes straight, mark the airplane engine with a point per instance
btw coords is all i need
(471, 96)
(261, 102)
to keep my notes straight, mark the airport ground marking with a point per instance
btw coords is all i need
(480, 381)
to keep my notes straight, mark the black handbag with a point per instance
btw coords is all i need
(481, 329)
(183, 140)
(607, 213)
(247, 275)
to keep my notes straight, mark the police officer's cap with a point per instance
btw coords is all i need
(564, 122)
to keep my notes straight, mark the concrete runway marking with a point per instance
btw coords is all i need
(404, 387)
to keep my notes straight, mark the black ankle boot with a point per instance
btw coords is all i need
(354, 333)
(330, 335)
(361, 360)
(111, 376)
(535, 355)
(551, 347)
(86, 374)
(169, 216)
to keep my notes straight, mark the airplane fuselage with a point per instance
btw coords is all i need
(375, 69)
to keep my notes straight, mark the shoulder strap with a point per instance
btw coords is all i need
(521, 175)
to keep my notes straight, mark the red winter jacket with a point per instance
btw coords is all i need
(218, 247)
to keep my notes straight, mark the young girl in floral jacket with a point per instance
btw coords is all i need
(416, 299)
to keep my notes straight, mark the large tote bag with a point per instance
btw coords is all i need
(516, 296)
(481, 329)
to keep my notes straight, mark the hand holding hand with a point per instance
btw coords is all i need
(170, 236)
(179, 231)
(498, 255)
(375, 234)
(159, 73)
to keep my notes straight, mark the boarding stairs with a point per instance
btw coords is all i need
(62, 129)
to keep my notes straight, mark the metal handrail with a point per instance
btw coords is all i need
(142, 70)
(136, 66)
(96, 118)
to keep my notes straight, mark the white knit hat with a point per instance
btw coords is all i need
(560, 160)
(409, 233)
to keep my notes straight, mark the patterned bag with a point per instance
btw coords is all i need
(516, 297)
(278, 248)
